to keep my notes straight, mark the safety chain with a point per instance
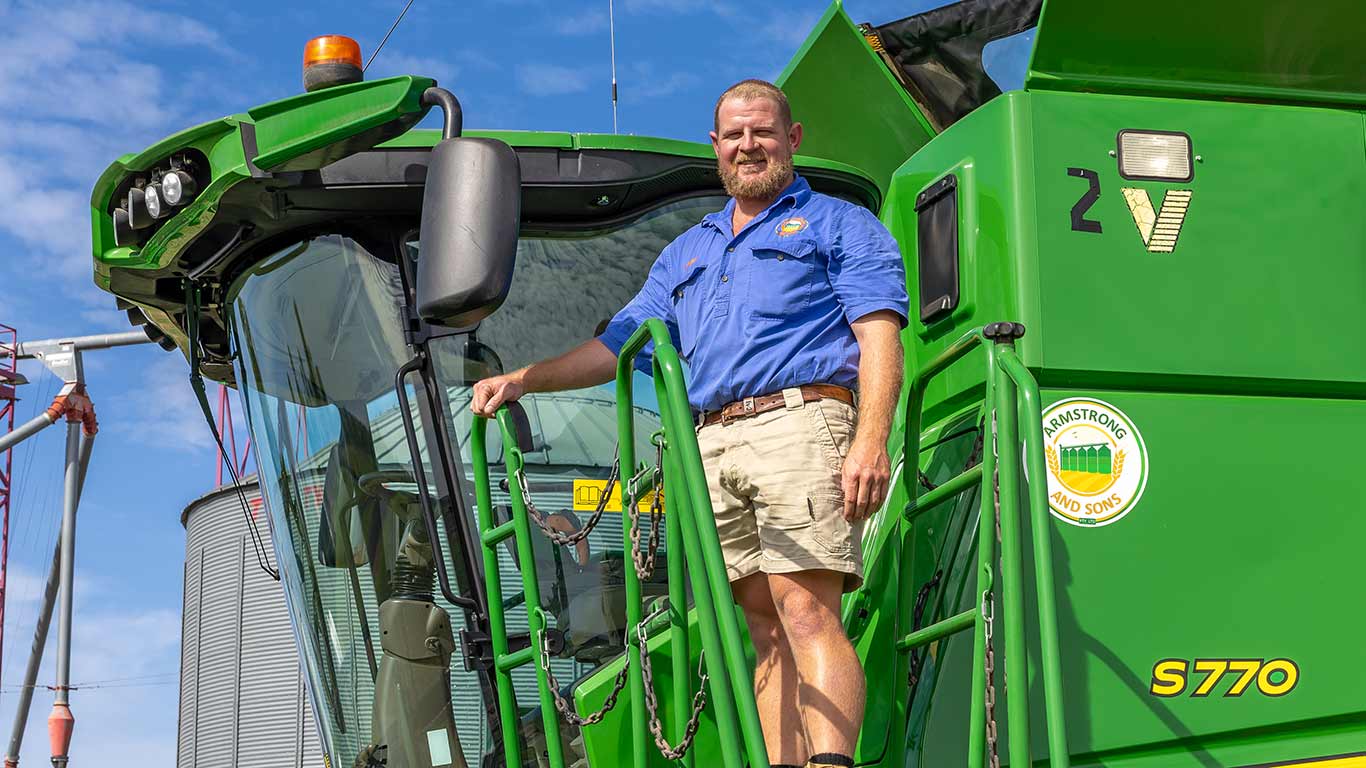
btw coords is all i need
(699, 699)
(994, 758)
(645, 565)
(566, 709)
(560, 537)
(922, 598)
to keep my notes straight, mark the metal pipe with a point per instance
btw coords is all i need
(498, 639)
(31, 349)
(35, 658)
(60, 722)
(670, 369)
(1041, 524)
(26, 430)
(454, 117)
(536, 618)
(1012, 557)
(679, 656)
(40, 630)
(959, 483)
(986, 571)
(938, 630)
(626, 463)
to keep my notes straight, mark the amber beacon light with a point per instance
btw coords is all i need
(331, 60)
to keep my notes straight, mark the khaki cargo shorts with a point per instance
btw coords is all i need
(775, 482)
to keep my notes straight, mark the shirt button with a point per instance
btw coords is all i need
(725, 278)
(730, 250)
(780, 257)
(679, 294)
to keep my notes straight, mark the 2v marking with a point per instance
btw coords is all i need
(1079, 221)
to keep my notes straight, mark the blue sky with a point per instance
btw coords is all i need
(82, 83)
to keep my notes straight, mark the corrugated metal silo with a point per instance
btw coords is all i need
(242, 700)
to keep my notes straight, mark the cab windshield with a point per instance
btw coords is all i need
(318, 328)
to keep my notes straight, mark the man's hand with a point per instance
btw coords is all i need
(867, 471)
(492, 392)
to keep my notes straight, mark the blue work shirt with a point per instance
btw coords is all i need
(771, 307)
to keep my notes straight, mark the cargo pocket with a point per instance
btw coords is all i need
(829, 529)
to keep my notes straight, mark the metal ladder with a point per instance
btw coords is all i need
(1011, 395)
(689, 520)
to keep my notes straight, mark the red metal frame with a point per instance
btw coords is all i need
(9, 375)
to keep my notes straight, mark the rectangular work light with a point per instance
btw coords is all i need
(1159, 155)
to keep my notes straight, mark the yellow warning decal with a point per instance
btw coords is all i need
(587, 494)
(1352, 760)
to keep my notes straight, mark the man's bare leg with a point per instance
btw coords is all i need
(775, 673)
(832, 690)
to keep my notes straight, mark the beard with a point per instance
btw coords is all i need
(766, 186)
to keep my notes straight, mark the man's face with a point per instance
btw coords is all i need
(754, 148)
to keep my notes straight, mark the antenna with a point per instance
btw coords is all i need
(394, 26)
(612, 32)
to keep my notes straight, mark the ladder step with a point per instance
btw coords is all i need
(948, 490)
(511, 661)
(497, 533)
(937, 630)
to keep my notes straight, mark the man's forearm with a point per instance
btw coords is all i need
(589, 364)
(880, 373)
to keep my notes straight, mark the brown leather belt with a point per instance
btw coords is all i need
(753, 406)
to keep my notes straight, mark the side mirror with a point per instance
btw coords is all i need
(471, 212)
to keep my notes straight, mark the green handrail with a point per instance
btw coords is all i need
(690, 523)
(1011, 393)
(732, 695)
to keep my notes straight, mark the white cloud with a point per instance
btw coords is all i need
(160, 408)
(551, 79)
(724, 10)
(74, 93)
(125, 668)
(646, 82)
(393, 63)
(586, 23)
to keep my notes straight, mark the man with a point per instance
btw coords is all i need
(783, 304)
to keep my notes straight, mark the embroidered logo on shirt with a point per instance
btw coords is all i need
(691, 262)
(791, 226)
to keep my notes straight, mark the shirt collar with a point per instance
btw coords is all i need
(798, 192)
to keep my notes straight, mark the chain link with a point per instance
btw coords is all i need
(699, 699)
(645, 565)
(993, 755)
(566, 709)
(560, 537)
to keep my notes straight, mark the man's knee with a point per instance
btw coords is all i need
(761, 615)
(807, 606)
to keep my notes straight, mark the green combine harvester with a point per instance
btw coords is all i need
(1137, 285)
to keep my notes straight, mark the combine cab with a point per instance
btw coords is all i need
(1136, 283)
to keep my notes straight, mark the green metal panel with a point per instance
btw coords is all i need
(1263, 50)
(1231, 553)
(852, 107)
(310, 130)
(1266, 272)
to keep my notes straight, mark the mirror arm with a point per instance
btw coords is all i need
(420, 475)
(454, 121)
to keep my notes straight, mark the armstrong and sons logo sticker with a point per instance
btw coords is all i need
(1097, 462)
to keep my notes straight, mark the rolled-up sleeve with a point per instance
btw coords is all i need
(865, 269)
(652, 300)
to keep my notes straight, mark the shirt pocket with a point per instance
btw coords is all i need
(689, 302)
(782, 278)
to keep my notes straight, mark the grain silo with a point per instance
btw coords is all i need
(242, 699)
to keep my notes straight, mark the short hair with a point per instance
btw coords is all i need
(748, 90)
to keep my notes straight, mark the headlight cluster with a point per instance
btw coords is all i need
(148, 201)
